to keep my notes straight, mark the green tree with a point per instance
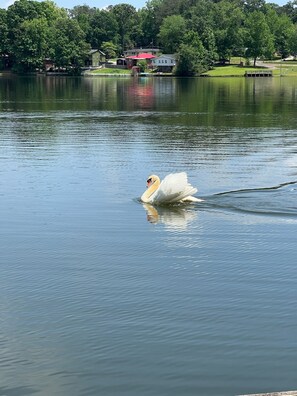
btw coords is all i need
(69, 48)
(142, 65)
(155, 11)
(172, 32)
(103, 28)
(228, 20)
(259, 41)
(251, 6)
(98, 25)
(281, 26)
(191, 56)
(153, 7)
(3, 38)
(293, 41)
(149, 25)
(83, 15)
(290, 9)
(200, 16)
(3, 32)
(110, 49)
(50, 11)
(171, 7)
(30, 47)
(28, 38)
(17, 14)
(128, 22)
(209, 44)
(190, 60)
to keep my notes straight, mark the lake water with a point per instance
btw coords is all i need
(102, 296)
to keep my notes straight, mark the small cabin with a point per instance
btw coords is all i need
(95, 58)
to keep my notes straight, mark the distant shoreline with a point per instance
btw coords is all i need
(277, 69)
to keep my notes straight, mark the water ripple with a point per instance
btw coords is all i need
(279, 200)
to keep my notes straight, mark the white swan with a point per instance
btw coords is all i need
(174, 188)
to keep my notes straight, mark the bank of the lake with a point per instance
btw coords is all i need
(277, 69)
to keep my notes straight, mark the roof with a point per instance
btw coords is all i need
(167, 56)
(93, 51)
(141, 56)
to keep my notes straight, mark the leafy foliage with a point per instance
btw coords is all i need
(127, 20)
(109, 48)
(259, 39)
(172, 32)
(68, 45)
(200, 32)
(3, 32)
(192, 57)
(293, 41)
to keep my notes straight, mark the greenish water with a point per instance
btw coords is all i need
(100, 295)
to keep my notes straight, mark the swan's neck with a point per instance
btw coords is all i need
(146, 196)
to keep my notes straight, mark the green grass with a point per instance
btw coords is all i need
(229, 71)
(111, 71)
(284, 69)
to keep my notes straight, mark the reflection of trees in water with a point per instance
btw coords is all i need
(40, 93)
(182, 114)
(234, 102)
(214, 101)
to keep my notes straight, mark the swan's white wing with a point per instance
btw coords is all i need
(173, 188)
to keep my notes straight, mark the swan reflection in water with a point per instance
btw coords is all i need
(173, 217)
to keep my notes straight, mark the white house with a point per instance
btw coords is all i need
(164, 63)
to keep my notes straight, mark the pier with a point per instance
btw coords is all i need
(258, 73)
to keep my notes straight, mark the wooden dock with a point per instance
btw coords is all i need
(287, 393)
(258, 73)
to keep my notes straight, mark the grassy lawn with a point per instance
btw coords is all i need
(229, 71)
(111, 71)
(284, 68)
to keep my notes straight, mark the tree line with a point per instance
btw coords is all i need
(200, 32)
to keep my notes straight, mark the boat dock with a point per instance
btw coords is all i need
(258, 73)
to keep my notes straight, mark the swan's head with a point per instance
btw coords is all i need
(152, 184)
(152, 180)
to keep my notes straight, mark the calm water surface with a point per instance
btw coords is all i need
(100, 295)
